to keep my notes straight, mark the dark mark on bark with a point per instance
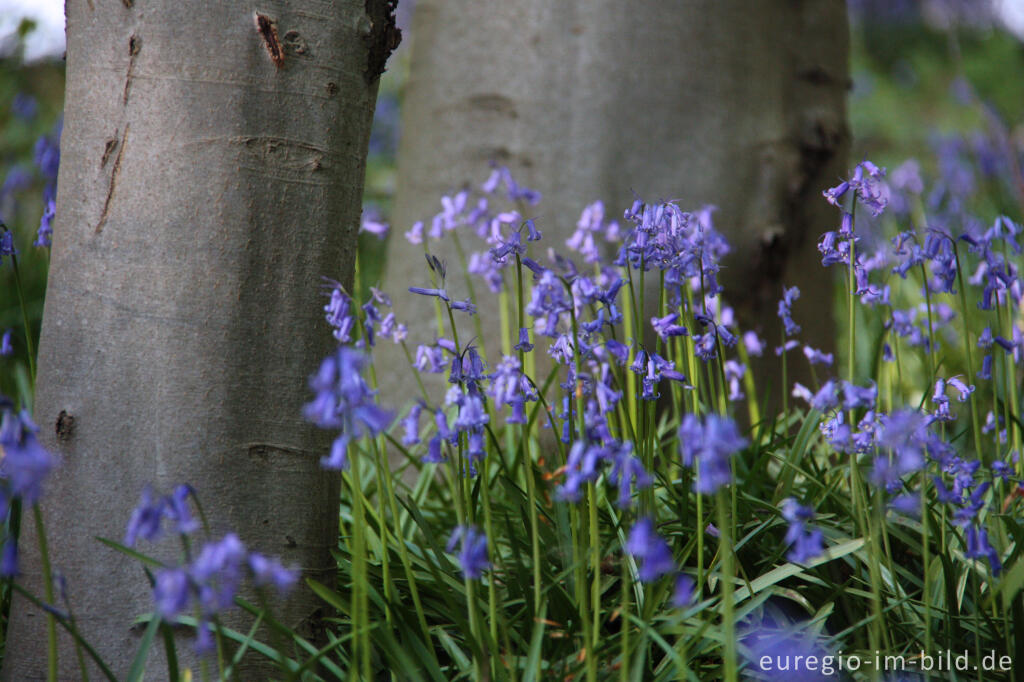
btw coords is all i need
(332, 89)
(290, 542)
(134, 45)
(65, 426)
(108, 149)
(383, 37)
(128, 3)
(295, 45)
(267, 28)
(114, 173)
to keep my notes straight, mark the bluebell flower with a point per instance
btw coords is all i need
(626, 469)
(582, 465)
(5, 344)
(345, 402)
(651, 550)
(806, 542)
(372, 223)
(212, 581)
(430, 359)
(709, 445)
(25, 463)
(24, 106)
(6, 244)
(411, 424)
(472, 544)
(146, 519)
(684, 591)
(908, 504)
(817, 357)
(415, 234)
(9, 558)
(45, 232)
(754, 344)
(171, 592)
(425, 291)
(339, 314)
(666, 327)
(977, 546)
(786, 310)
(269, 571)
(524, 341)
(773, 650)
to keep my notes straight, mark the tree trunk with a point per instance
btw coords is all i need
(212, 173)
(724, 102)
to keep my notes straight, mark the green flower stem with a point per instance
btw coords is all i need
(30, 347)
(525, 456)
(975, 422)
(492, 597)
(360, 607)
(589, 632)
(726, 577)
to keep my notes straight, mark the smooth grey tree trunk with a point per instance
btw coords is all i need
(728, 102)
(209, 180)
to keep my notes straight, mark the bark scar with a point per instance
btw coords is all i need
(134, 45)
(267, 28)
(114, 173)
(382, 38)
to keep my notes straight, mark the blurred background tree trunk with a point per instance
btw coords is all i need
(737, 104)
(211, 175)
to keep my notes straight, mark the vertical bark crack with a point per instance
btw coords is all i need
(134, 45)
(114, 173)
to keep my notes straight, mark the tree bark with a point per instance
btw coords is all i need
(724, 102)
(211, 175)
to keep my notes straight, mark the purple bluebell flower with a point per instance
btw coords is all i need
(339, 314)
(411, 424)
(345, 402)
(9, 558)
(472, 544)
(270, 571)
(666, 327)
(415, 233)
(434, 455)
(907, 504)
(806, 542)
(817, 357)
(773, 649)
(373, 224)
(146, 519)
(524, 341)
(986, 367)
(786, 347)
(789, 295)
(754, 344)
(626, 468)
(653, 553)
(47, 156)
(429, 359)
(45, 232)
(709, 445)
(25, 463)
(425, 291)
(977, 546)
(684, 592)
(6, 244)
(24, 106)
(171, 592)
(5, 344)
